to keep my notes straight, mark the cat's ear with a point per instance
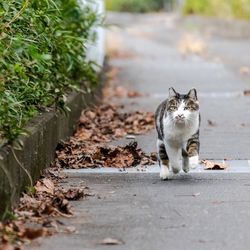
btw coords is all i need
(172, 92)
(192, 94)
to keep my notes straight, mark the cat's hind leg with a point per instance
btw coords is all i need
(185, 161)
(163, 160)
(193, 146)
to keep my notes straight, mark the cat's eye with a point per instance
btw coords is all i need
(186, 108)
(172, 108)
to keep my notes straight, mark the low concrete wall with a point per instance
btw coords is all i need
(45, 131)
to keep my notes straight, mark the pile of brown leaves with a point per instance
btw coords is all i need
(114, 89)
(49, 199)
(15, 233)
(80, 154)
(87, 148)
(105, 123)
(34, 215)
(120, 91)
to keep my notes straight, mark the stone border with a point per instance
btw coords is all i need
(18, 167)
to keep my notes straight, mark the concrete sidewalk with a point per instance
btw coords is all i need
(199, 210)
(196, 211)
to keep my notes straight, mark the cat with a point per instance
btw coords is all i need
(177, 123)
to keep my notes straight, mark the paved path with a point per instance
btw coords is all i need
(200, 210)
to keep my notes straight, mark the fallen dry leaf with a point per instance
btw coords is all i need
(111, 241)
(114, 89)
(31, 233)
(70, 229)
(74, 194)
(247, 92)
(244, 70)
(133, 94)
(191, 44)
(120, 91)
(209, 165)
(45, 185)
(211, 123)
(245, 125)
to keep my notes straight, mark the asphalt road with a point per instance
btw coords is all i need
(205, 210)
(195, 211)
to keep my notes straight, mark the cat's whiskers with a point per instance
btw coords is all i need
(192, 117)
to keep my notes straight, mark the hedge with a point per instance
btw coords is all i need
(42, 57)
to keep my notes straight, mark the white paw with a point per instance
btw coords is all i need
(165, 174)
(194, 161)
(176, 169)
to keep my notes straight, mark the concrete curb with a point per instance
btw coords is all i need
(18, 167)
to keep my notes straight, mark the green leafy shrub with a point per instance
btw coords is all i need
(134, 5)
(221, 8)
(42, 57)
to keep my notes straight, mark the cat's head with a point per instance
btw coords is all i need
(183, 108)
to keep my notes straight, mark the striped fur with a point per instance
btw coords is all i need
(177, 124)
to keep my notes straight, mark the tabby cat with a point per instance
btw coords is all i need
(177, 123)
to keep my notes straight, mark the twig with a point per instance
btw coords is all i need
(22, 167)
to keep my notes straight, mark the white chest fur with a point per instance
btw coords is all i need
(175, 134)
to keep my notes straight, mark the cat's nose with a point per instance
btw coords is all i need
(181, 116)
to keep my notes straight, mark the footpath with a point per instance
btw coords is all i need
(200, 210)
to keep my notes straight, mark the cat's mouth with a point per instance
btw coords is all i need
(180, 119)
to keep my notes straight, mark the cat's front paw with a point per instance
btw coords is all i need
(165, 174)
(186, 169)
(176, 168)
(194, 161)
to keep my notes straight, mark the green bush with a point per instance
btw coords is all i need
(221, 8)
(42, 57)
(134, 5)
